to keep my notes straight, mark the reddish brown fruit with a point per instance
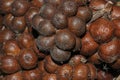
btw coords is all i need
(101, 30)
(92, 71)
(116, 65)
(30, 14)
(31, 75)
(97, 4)
(78, 44)
(41, 67)
(94, 59)
(15, 76)
(18, 24)
(101, 75)
(28, 58)
(115, 12)
(36, 21)
(77, 59)
(64, 72)
(80, 71)
(37, 3)
(9, 64)
(11, 47)
(109, 52)
(6, 6)
(89, 46)
(5, 35)
(7, 20)
(117, 27)
(48, 76)
(20, 7)
(49, 65)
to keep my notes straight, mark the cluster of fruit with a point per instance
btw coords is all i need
(59, 39)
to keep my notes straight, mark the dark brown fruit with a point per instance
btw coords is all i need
(31, 74)
(89, 46)
(45, 43)
(92, 71)
(18, 24)
(109, 52)
(15, 76)
(46, 28)
(37, 3)
(76, 25)
(25, 40)
(36, 21)
(11, 47)
(30, 14)
(9, 64)
(59, 55)
(102, 30)
(76, 60)
(115, 12)
(7, 20)
(64, 72)
(85, 13)
(102, 75)
(47, 11)
(5, 35)
(20, 7)
(65, 40)
(28, 58)
(48, 76)
(80, 71)
(49, 65)
(6, 6)
(69, 8)
(59, 20)
(97, 4)
(117, 27)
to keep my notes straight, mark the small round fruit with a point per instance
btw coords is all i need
(65, 40)
(64, 71)
(20, 7)
(76, 25)
(49, 65)
(46, 28)
(89, 46)
(28, 58)
(45, 43)
(15, 76)
(59, 20)
(115, 12)
(37, 3)
(47, 11)
(101, 30)
(69, 8)
(109, 52)
(85, 13)
(80, 71)
(9, 64)
(31, 74)
(59, 55)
